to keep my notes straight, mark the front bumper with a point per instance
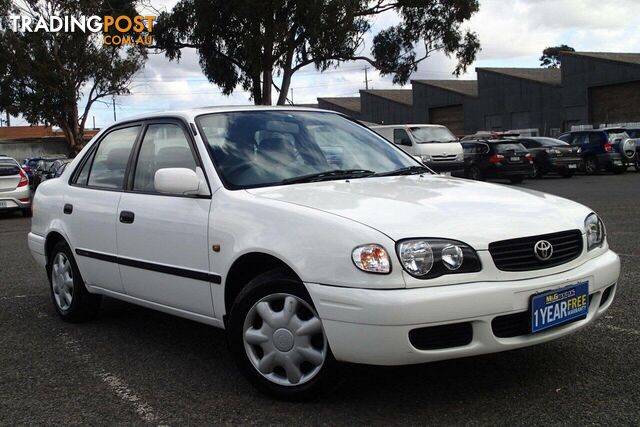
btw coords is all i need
(372, 326)
(446, 166)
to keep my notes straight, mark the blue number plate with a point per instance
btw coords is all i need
(559, 306)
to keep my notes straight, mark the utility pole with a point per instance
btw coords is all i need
(8, 120)
(94, 122)
(114, 108)
(291, 96)
(366, 79)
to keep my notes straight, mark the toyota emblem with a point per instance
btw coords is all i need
(543, 250)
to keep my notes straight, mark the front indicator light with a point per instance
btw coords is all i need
(372, 259)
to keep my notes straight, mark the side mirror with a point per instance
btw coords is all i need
(176, 181)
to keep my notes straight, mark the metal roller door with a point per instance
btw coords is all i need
(615, 103)
(451, 116)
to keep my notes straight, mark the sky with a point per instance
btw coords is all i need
(512, 34)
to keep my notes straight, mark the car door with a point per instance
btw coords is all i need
(91, 203)
(163, 244)
(402, 139)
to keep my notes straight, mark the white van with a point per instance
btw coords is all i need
(434, 145)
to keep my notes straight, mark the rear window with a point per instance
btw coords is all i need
(551, 142)
(509, 146)
(633, 133)
(8, 168)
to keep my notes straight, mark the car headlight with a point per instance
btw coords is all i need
(425, 158)
(431, 258)
(371, 258)
(594, 227)
(460, 157)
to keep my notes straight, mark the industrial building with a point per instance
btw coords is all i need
(590, 88)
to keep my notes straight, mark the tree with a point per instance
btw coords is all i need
(6, 90)
(51, 73)
(551, 56)
(247, 43)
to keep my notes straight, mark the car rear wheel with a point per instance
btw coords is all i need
(278, 340)
(537, 171)
(27, 213)
(70, 297)
(591, 166)
(516, 179)
(475, 173)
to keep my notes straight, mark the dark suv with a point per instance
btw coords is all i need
(602, 149)
(501, 158)
(552, 155)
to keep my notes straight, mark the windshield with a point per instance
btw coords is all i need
(509, 146)
(262, 148)
(551, 142)
(423, 134)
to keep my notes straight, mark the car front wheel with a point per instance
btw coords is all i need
(278, 340)
(591, 166)
(70, 297)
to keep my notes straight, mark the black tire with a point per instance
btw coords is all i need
(591, 165)
(275, 282)
(84, 305)
(537, 172)
(475, 173)
(567, 173)
(516, 179)
(27, 212)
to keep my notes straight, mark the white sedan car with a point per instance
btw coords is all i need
(312, 241)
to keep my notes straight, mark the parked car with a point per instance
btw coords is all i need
(14, 187)
(497, 159)
(552, 155)
(434, 145)
(234, 217)
(42, 170)
(634, 133)
(29, 164)
(56, 169)
(608, 149)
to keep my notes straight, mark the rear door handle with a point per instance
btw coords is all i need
(127, 217)
(67, 209)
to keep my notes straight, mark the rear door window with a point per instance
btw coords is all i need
(164, 146)
(111, 158)
(511, 146)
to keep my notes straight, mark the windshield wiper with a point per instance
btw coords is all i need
(328, 175)
(410, 170)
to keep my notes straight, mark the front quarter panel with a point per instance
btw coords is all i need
(316, 245)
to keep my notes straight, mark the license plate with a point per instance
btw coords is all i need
(617, 162)
(515, 159)
(559, 306)
(572, 166)
(3, 204)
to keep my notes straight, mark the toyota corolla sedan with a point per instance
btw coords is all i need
(314, 241)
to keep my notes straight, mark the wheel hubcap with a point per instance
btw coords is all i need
(284, 339)
(62, 281)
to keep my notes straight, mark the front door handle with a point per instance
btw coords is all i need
(127, 217)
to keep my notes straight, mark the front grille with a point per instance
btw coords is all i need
(443, 336)
(519, 254)
(441, 158)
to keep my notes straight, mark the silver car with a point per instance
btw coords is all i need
(15, 193)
